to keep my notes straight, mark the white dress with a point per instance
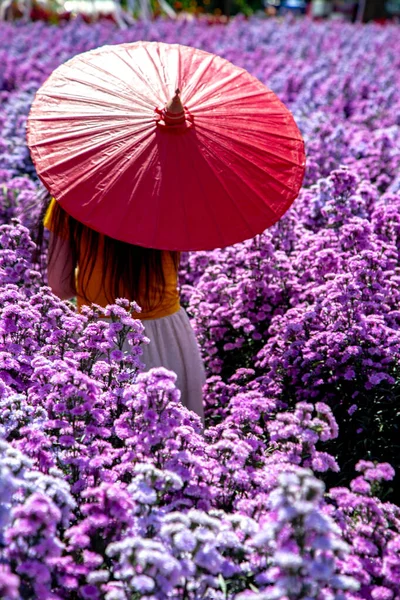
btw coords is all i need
(173, 345)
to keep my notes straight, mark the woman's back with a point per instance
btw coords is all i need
(100, 279)
(100, 292)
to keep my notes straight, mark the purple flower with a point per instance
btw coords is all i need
(381, 593)
(9, 584)
(360, 486)
(89, 592)
(143, 583)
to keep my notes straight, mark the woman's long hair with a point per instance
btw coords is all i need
(130, 271)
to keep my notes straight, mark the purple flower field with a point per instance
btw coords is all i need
(109, 488)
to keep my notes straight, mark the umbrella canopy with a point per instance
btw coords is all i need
(165, 146)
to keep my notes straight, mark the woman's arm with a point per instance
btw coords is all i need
(60, 268)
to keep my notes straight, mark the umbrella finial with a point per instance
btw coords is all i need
(174, 113)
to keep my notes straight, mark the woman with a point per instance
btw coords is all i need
(98, 269)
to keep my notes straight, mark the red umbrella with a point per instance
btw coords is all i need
(165, 146)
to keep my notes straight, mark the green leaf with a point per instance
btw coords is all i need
(222, 584)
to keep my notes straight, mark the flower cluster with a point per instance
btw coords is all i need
(111, 489)
(309, 312)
